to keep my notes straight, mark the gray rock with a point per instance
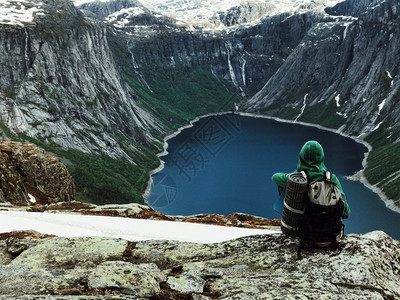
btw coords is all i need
(70, 253)
(256, 267)
(343, 73)
(26, 168)
(187, 283)
(5, 256)
(142, 280)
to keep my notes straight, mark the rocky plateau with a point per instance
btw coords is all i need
(36, 266)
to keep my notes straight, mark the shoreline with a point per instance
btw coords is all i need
(146, 193)
(358, 176)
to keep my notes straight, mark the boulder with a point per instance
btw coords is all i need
(29, 175)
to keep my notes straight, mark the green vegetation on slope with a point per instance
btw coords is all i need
(323, 113)
(100, 179)
(383, 165)
(103, 180)
(179, 95)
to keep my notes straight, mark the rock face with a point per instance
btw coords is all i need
(103, 10)
(258, 267)
(247, 56)
(60, 84)
(26, 169)
(343, 74)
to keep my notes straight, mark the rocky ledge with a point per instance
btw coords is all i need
(35, 266)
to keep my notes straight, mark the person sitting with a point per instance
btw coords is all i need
(311, 160)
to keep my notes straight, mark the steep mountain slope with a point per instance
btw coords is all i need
(349, 66)
(246, 57)
(60, 84)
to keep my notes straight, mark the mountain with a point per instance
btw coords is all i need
(345, 75)
(101, 86)
(211, 15)
(60, 84)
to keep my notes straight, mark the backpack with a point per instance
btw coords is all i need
(321, 224)
(313, 211)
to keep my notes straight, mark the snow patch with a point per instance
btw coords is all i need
(337, 99)
(69, 225)
(122, 17)
(32, 199)
(381, 105)
(19, 13)
(206, 13)
(343, 115)
(80, 2)
(377, 126)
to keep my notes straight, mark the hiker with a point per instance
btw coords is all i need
(311, 160)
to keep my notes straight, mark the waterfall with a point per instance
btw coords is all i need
(26, 50)
(243, 63)
(228, 46)
(302, 108)
(229, 49)
(136, 68)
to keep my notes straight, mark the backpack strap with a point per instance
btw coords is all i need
(301, 246)
(306, 175)
(328, 175)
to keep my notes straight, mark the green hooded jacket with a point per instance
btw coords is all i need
(311, 159)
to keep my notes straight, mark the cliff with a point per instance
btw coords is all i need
(37, 266)
(343, 74)
(60, 85)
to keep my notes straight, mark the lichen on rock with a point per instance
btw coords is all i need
(254, 267)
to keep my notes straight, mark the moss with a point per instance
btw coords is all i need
(7, 131)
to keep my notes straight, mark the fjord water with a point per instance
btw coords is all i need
(223, 164)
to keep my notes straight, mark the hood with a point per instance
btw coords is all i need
(311, 158)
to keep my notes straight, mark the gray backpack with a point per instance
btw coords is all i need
(313, 211)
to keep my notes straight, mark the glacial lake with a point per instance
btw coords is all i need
(223, 164)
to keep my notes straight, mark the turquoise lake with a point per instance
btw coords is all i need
(223, 164)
